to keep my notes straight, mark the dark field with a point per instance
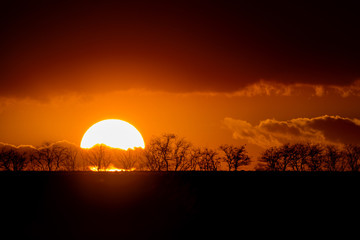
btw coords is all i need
(182, 205)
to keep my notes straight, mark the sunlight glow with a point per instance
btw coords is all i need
(113, 133)
(110, 168)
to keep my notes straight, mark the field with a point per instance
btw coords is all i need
(176, 205)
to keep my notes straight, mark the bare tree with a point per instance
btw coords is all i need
(235, 156)
(352, 156)
(45, 159)
(315, 157)
(19, 161)
(281, 158)
(70, 162)
(97, 157)
(181, 155)
(333, 159)
(169, 152)
(192, 162)
(7, 154)
(11, 159)
(60, 153)
(271, 157)
(128, 159)
(159, 152)
(311, 157)
(286, 154)
(154, 158)
(51, 156)
(208, 160)
(298, 156)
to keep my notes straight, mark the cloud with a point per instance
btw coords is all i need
(27, 150)
(272, 88)
(271, 132)
(45, 90)
(266, 88)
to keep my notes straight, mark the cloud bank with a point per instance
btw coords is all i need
(272, 88)
(271, 132)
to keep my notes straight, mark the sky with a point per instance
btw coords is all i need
(215, 72)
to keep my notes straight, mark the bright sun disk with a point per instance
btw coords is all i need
(113, 133)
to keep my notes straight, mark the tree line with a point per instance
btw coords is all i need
(311, 157)
(167, 152)
(170, 152)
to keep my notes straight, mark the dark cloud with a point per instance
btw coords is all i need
(271, 132)
(337, 129)
(175, 46)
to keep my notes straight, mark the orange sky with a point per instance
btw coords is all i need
(203, 118)
(214, 72)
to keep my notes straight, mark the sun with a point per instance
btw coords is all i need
(113, 133)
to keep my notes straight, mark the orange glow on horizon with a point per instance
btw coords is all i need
(110, 168)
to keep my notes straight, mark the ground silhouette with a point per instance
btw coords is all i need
(176, 205)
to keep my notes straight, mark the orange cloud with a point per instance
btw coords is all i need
(274, 88)
(271, 88)
(271, 132)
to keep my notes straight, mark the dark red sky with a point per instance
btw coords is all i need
(175, 46)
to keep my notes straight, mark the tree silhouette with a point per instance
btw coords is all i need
(315, 157)
(158, 152)
(70, 162)
(235, 156)
(11, 159)
(208, 160)
(60, 154)
(181, 155)
(304, 157)
(45, 157)
(333, 159)
(352, 154)
(51, 156)
(193, 159)
(286, 154)
(128, 159)
(97, 157)
(169, 152)
(271, 158)
(299, 156)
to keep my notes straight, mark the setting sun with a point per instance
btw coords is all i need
(113, 133)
